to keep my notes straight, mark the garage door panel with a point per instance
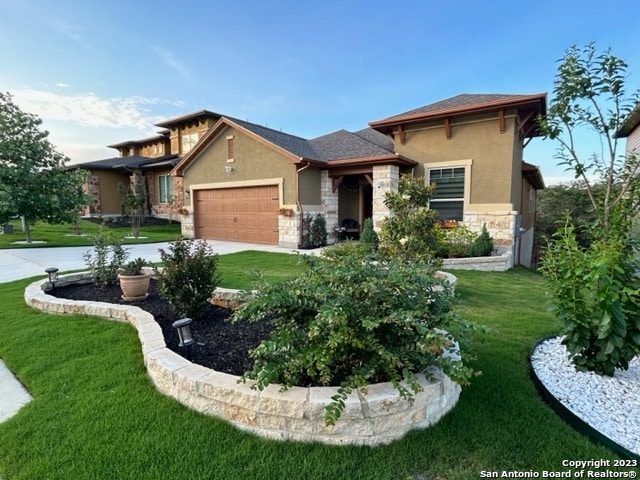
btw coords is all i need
(247, 214)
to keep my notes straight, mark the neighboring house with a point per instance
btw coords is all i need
(245, 182)
(630, 130)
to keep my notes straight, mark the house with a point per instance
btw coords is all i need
(630, 130)
(235, 180)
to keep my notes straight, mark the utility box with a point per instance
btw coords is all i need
(7, 229)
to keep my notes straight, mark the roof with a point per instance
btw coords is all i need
(365, 145)
(128, 143)
(199, 115)
(533, 175)
(630, 123)
(463, 105)
(132, 161)
(343, 145)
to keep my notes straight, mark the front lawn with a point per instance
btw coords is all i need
(62, 235)
(96, 415)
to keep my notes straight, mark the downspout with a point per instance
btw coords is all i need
(299, 205)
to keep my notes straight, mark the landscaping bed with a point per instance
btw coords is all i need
(220, 345)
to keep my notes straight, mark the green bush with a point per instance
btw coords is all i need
(409, 233)
(369, 235)
(315, 231)
(454, 242)
(347, 322)
(349, 248)
(189, 276)
(595, 293)
(483, 244)
(106, 258)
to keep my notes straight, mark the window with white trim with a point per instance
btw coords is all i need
(448, 196)
(165, 188)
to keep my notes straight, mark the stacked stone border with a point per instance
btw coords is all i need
(378, 417)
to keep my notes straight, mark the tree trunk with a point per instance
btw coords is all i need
(27, 229)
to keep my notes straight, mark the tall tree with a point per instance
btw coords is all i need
(34, 180)
(590, 93)
(595, 289)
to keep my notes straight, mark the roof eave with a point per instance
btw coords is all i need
(387, 124)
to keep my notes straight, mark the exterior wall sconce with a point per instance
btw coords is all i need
(183, 326)
(52, 272)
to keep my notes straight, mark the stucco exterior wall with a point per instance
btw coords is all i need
(104, 186)
(252, 161)
(309, 187)
(477, 138)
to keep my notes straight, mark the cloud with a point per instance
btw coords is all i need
(171, 61)
(62, 85)
(88, 109)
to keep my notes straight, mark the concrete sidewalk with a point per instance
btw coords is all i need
(28, 262)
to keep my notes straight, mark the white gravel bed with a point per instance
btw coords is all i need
(610, 405)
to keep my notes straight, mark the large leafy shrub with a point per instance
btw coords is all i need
(189, 276)
(314, 231)
(106, 258)
(348, 322)
(409, 232)
(595, 293)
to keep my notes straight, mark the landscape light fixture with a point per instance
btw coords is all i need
(53, 276)
(183, 326)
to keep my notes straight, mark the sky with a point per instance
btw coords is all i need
(99, 73)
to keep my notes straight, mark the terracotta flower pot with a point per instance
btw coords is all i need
(134, 287)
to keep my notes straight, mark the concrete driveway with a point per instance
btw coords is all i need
(27, 262)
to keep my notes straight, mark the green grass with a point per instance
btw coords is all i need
(238, 270)
(61, 235)
(95, 414)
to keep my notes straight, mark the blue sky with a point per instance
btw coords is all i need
(99, 73)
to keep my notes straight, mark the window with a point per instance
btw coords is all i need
(165, 188)
(448, 196)
(188, 141)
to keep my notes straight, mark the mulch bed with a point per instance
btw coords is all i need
(220, 345)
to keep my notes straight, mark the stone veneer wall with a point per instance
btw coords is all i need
(501, 225)
(500, 263)
(329, 200)
(379, 417)
(385, 179)
(289, 236)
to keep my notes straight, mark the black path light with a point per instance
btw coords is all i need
(53, 276)
(183, 326)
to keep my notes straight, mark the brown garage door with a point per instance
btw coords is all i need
(246, 214)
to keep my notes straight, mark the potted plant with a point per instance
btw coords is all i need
(134, 281)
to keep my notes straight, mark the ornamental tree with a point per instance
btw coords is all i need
(34, 182)
(595, 289)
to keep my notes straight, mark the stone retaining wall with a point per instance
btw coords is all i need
(499, 263)
(378, 417)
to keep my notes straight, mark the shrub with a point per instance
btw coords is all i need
(319, 231)
(483, 244)
(134, 267)
(595, 293)
(348, 248)
(347, 322)
(315, 231)
(409, 233)
(189, 276)
(369, 235)
(106, 258)
(454, 242)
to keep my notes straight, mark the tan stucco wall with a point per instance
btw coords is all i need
(477, 138)
(110, 199)
(309, 187)
(253, 161)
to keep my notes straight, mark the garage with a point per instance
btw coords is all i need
(244, 214)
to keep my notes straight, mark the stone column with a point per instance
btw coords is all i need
(329, 201)
(385, 179)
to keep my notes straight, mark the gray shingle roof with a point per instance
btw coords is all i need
(458, 102)
(339, 145)
(343, 145)
(133, 161)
